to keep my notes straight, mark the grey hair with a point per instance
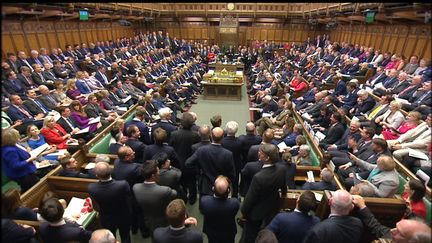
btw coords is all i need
(102, 158)
(231, 127)
(102, 236)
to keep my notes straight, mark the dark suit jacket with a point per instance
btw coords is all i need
(63, 233)
(169, 177)
(65, 125)
(153, 149)
(127, 171)
(262, 199)
(290, 174)
(247, 173)
(47, 102)
(234, 145)
(15, 114)
(153, 200)
(292, 227)
(33, 107)
(114, 200)
(13, 232)
(18, 89)
(182, 141)
(334, 133)
(185, 235)
(138, 147)
(94, 111)
(247, 141)
(365, 106)
(336, 229)
(167, 126)
(319, 186)
(213, 160)
(145, 135)
(219, 217)
(196, 146)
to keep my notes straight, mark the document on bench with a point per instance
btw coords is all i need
(266, 115)
(37, 151)
(306, 116)
(76, 209)
(94, 120)
(83, 130)
(41, 165)
(320, 135)
(423, 176)
(255, 109)
(90, 166)
(126, 99)
(282, 145)
(403, 101)
(417, 154)
(58, 153)
(354, 118)
(379, 86)
(69, 142)
(122, 108)
(310, 176)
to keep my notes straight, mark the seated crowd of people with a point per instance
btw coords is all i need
(164, 162)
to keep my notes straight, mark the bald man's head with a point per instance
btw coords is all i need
(250, 128)
(409, 230)
(341, 203)
(204, 132)
(217, 134)
(221, 187)
(102, 236)
(268, 135)
(102, 171)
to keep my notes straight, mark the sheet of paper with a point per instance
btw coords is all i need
(83, 130)
(318, 196)
(255, 109)
(40, 166)
(90, 166)
(37, 151)
(94, 120)
(59, 152)
(74, 208)
(417, 154)
(423, 176)
(310, 176)
(320, 135)
(354, 118)
(122, 108)
(127, 99)
(403, 101)
(266, 115)
(282, 145)
(306, 116)
(379, 86)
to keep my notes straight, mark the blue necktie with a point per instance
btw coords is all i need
(41, 106)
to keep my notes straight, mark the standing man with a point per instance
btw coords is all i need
(219, 213)
(262, 199)
(114, 200)
(339, 227)
(212, 160)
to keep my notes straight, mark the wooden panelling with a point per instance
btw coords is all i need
(52, 40)
(263, 35)
(271, 35)
(19, 41)
(43, 41)
(7, 44)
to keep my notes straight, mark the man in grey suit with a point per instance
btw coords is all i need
(153, 198)
(213, 160)
(47, 99)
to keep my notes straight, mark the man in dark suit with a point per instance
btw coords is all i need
(294, 226)
(387, 83)
(267, 138)
(247, 173)
(421, 100)
(13, 85)
(160, 139)
(34, 105)
(219, 213)
(182, 140)
(138, 121)
(151, 197)
(414, 85)
(165, 115)
(12, 61)
(204, 133)
(168, 175)
(339, 227)
(26, 78)
(248, 140)
(262, 199)
(70, 126)
(114, 200)
(17, 111)
(326, 182)
(47, 99)
(213, 160)
(177, 231)
(233, 144)
(334, 132)
(364, 104)
(377, 78)
(133, 133)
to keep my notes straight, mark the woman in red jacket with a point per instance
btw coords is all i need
(55, 134)
(413, 195)
(298, 83)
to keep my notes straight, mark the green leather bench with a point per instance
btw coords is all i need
(8, 184)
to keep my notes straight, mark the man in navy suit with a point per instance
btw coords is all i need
(262, 199)
(138, 121)
(133, 133)
(334, 132)
(233, 144)
(177, 231)
(326, 182)
(213, 160)
(219, 213)
(160, 140)
(165, 115)
(13, 85)
(339, 227)
(18, 112)
(387, 83)
(114, 200)
(294, 226)
(364, 104)
(248, 140)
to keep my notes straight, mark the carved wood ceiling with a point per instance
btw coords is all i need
(343, 13)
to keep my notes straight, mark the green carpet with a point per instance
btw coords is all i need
(229, 110)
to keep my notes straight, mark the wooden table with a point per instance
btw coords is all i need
(222, 91)
(229, 67)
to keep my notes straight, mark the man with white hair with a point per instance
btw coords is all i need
(339, 227)
(233, 144)
(102, 236)
(364, 104)
(165, 123)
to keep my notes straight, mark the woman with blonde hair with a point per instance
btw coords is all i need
(59, 93)
(55, 135)
(17, 163)
(73, 92)
(413, 120)
(391, 119)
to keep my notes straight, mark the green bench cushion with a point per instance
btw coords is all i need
(428, 210)
(8, 184)
(102, 147)
(402, 182)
